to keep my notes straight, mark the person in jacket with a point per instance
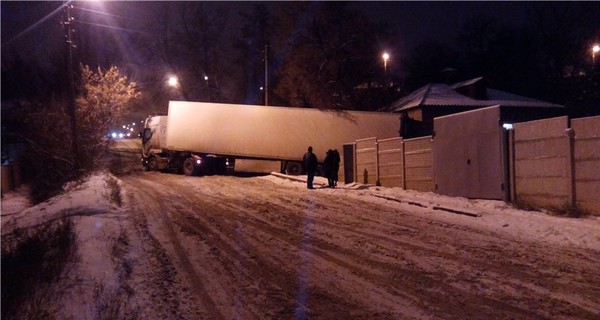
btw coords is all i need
(335, 166)
(310, 165)
(328, 164)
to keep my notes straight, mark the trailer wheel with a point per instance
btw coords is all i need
(189, 168)
(293, 168)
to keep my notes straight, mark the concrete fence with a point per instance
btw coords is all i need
(548, 163)
(395, 162)
(586, 154)
(555, 165)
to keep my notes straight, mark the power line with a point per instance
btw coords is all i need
(33, 26)
(110, 27)
(104, 13)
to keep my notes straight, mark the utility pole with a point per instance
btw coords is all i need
(68, 26)
(266, 60)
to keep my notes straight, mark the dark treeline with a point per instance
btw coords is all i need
(312, 54)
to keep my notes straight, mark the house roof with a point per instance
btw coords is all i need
(443, 95)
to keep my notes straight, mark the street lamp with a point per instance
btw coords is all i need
(385, 57)
(68, 26)
(207, 88)
(173, 81)
(595, 50)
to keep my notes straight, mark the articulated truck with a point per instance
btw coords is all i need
(213, 138)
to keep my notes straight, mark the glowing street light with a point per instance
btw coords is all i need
(595, 50)
(173, 81)
(385, 57)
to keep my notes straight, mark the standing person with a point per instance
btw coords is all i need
(335, 166)
(310, 164)
(328, 167)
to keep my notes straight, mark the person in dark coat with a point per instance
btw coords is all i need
(328, 165)
(335, 166)
(310, 164)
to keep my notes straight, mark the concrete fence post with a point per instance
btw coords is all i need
(511, 165)
(570, 157)
(377, 181)
(355, 163)
(403, 164)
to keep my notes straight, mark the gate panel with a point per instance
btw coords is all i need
(469, 157)
(347, 167)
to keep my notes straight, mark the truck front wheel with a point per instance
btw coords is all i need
(189, 167)
(293, 168)
(151, 164)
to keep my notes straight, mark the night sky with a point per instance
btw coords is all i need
(30, 30)
(413, 22)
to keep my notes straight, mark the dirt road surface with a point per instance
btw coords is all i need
(223, 247)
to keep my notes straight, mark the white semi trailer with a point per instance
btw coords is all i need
(204, 138)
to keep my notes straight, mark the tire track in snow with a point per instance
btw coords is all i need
(179, 254)
(449, 270)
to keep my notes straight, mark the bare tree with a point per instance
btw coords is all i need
(331, 50)
(49, 162)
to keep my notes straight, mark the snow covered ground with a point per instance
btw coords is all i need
(160, 242)
(530, 225)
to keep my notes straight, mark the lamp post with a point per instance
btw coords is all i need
(174, 82)
(207, 88)
(595, 50)
(385, 57)
(68, 26)
(266, 61)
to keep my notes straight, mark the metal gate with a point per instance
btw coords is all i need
(469, 155)
(348, 163)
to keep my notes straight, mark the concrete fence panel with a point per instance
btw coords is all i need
(366, 161)
(541, 162)
(391, 162)
(418, 164)
(586, 152)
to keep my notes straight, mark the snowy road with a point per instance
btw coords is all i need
(226, 247)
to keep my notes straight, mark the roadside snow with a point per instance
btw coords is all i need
(97, 224)
(482, 214)
(91, 199)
